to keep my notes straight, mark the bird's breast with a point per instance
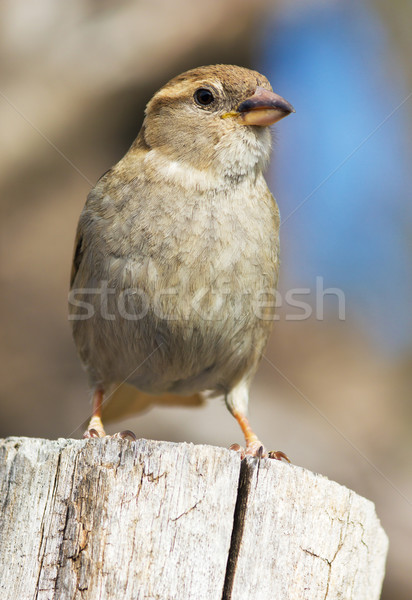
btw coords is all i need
(202, 246)
(189, 281)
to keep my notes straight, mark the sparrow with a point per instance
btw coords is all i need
(177, 252)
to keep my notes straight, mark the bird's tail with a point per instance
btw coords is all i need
(125, 400)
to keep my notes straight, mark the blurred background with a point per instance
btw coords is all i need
(333, 393)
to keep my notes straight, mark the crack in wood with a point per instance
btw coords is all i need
(186, 512)
(101, 530)
(330, 562)
(245, 480)
(43, 538)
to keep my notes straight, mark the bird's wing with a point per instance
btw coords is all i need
(124, 400)
(94, 205)
(78, 254)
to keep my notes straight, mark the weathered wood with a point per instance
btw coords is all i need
(304, 537)
(111, 519)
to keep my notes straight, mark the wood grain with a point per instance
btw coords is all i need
(113, 519)
(305, 537)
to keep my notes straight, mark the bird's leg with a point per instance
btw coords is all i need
(237, 402)
(95, 428)
(253, 444)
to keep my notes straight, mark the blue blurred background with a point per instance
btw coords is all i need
(343, 171)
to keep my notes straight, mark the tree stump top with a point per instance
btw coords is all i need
(114, 519)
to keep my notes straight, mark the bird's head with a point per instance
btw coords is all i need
(215, 117)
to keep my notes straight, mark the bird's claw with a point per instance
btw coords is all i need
(238, 448)
(260, 452)
(278, 455)
(126, 435)
(91, 433)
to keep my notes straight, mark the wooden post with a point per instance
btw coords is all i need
(118, 520)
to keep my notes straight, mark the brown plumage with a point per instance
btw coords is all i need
(177, 248)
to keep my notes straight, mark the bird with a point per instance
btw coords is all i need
(177, 253)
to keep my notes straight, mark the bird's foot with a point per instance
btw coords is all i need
(257, 450)
(96, 430)
(123, 435)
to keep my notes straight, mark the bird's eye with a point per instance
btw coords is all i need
(203, 96)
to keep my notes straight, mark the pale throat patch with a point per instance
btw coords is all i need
(179, 173)
(250, 155)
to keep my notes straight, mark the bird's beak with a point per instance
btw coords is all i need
(263, 108)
